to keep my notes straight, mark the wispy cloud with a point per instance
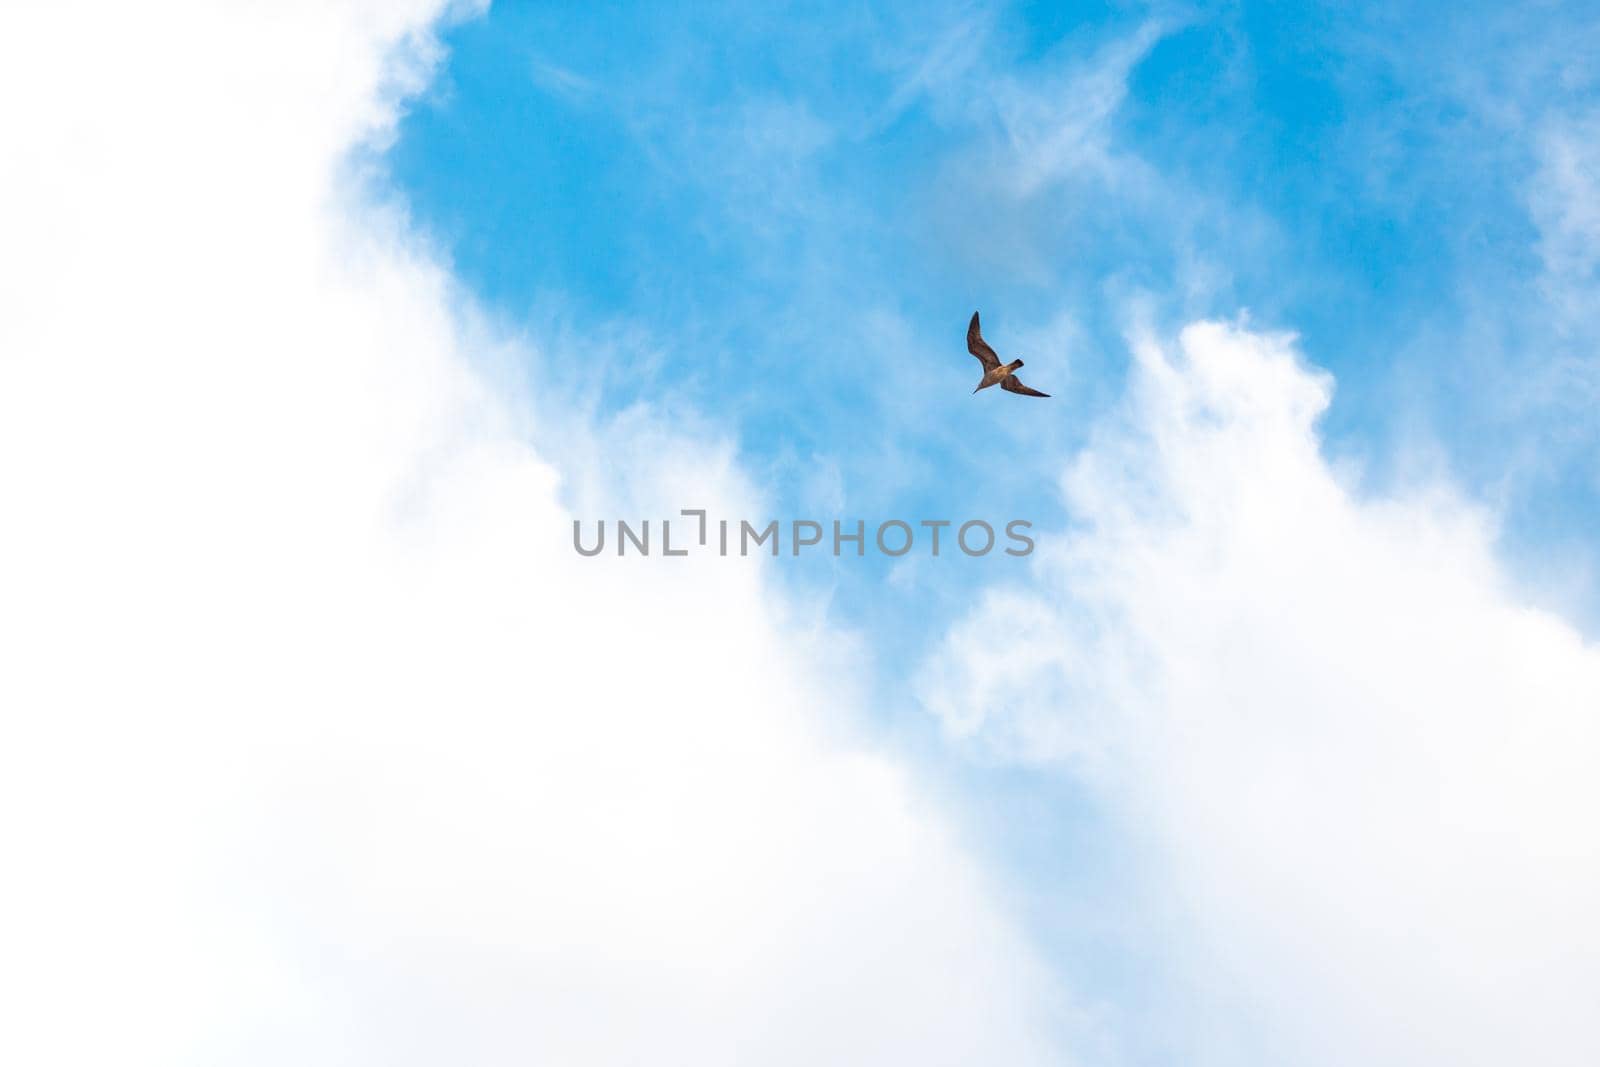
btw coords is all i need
(1564, 200)
(567, 84)
(1058, 125)
(955, 55)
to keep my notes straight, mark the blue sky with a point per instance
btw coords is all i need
(780, 219)
(784, 217)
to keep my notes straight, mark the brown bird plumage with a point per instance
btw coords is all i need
(995, 372)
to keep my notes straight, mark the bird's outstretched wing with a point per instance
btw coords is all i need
(979, 347)
(1011, 385)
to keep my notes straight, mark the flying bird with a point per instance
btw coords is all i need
(994, 373)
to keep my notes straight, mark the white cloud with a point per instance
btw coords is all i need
(1364, 770)
(321, 745)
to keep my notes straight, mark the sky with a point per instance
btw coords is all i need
(323, 322)
(781, 219)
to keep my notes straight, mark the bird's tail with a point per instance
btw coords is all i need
(1014, 364)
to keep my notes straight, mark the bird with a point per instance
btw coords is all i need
(994, 373)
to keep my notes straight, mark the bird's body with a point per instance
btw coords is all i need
(995, 372)
(998, 374)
